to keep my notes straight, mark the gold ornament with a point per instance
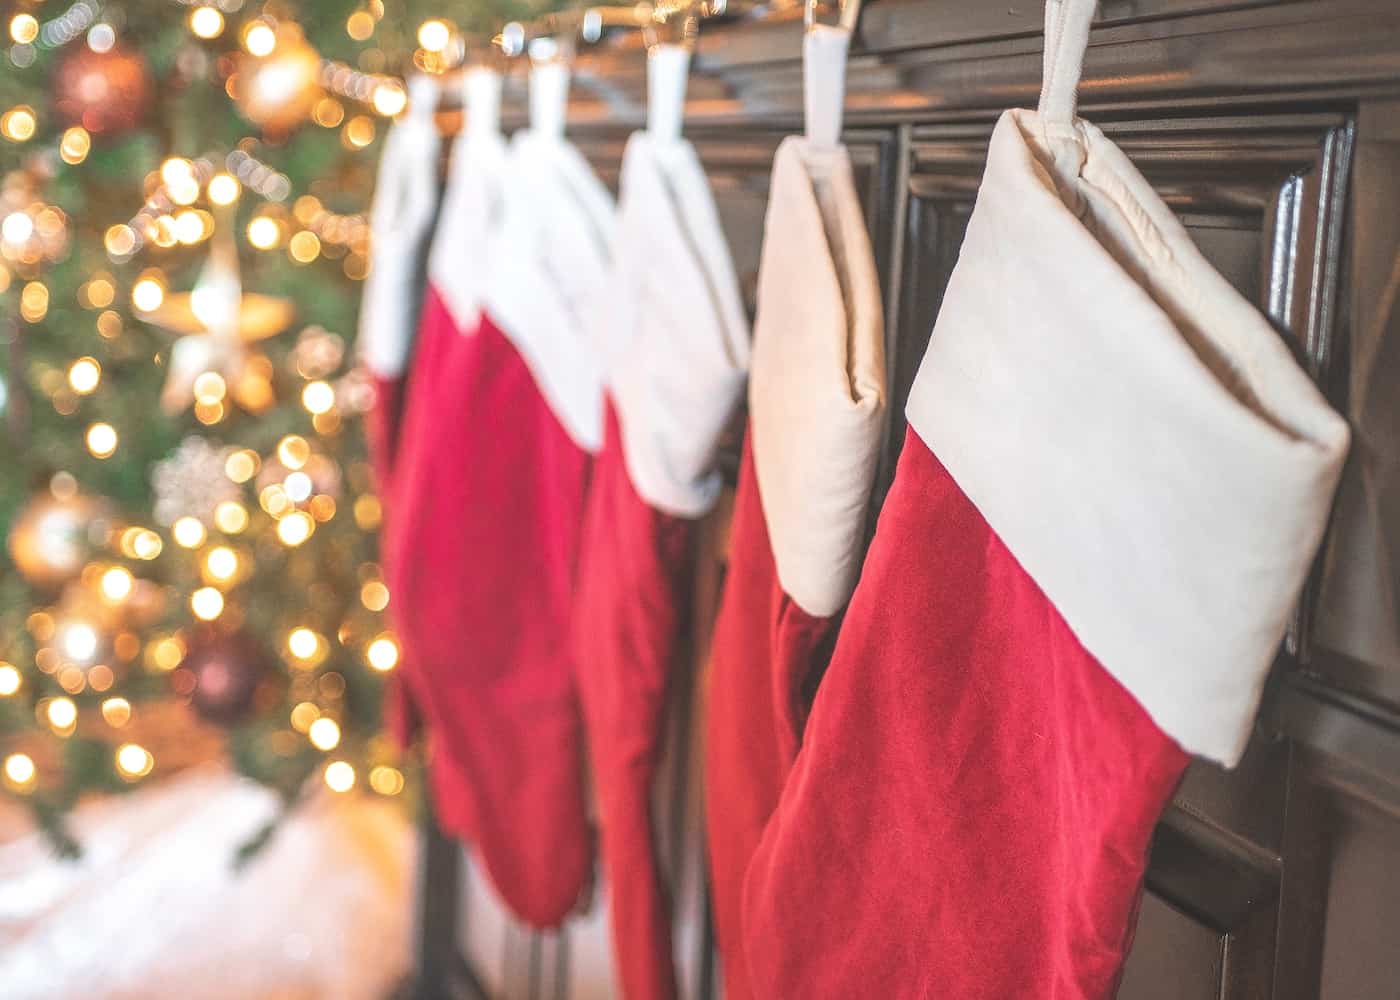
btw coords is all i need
(279, 90)
(52, 537)
(215, 322)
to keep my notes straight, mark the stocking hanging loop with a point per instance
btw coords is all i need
(1066, 38)
(824, 53)
(481, 95)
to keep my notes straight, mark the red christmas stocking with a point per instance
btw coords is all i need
(677, 345)
(816, 399)
(1113, 484)
(492, 470)
(401, 221)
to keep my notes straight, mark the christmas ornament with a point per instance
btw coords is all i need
(52, 538)
(681, 343)
(278, 91)
(1112, 486)
(106, 93)
(216, 321)
(190, 481)
(224, 674)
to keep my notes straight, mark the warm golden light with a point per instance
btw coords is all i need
(19, 771)
(360, 25)
(223, 189)
(84, 374)
(389, 99)
(117, 583)
(147, 295)
(34, 301)
(303, 715)
(101, 440)
(134, 760)
(434, 35)
(18, 124)
(231, 517)
(75, 145)
(221, 562)
(62, 713)
(210, 388)
(116, 712)
(374, 595)
(297, 486)
(386, 780)
(10, 679)
(206, 22)
(303, 643)
(328, 112)
(207, 603)
(324, 733)
(340, 776)
(260, 39)
(165, 653)
(141, 543)
(293, 451)
(295, 528)
(188, 532)
(24, 28)
(359, 131)
(100, 292)
(368, 512)
(120, 240)
(264, 233)
(241, 466)
(318, 397)
(304, 247)
(383, 653)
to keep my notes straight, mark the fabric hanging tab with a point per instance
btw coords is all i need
(668, 72)
(824, 50)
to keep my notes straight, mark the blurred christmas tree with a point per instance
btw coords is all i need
(189, 513)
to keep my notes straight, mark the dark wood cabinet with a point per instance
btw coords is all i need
(1273, 130)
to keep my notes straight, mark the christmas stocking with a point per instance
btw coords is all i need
(1113, 483)
(677, 351)
(816, 401)
(401, 220)
(492, 467)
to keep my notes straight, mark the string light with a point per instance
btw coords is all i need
(20, 771)
(303, 643)
(359, 132)
(34, 301)
(189, 532)
(101, 440)
(360, 25)
(241, 466)
(223, 189)
(304, 247)
(120, 240)
(141, 543)
(10, 679)
(134, 761)
(84, 374)
(24, 28)
(18, 124)
(231, 517)
(116, 712)
(389, 99)
(293, 451)
(324, 733)
(117, 584)
(147, 295)
(222, 563)
(259, 39)
(298, 486)
(386, 780)
(318, 397)
(295, 528)
(206, 22)
(62, 714)
(264, 233)
(207, 603)
(340, 776)
(75, 145)
(374, 595)
(383, 653)
(434, 35)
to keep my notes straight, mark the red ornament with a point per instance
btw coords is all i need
(105, 92)
(224, 675)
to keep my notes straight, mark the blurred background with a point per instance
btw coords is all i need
(192, 640)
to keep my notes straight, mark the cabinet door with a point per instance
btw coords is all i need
(1262, 196)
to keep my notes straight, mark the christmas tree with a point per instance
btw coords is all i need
(189, 513)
